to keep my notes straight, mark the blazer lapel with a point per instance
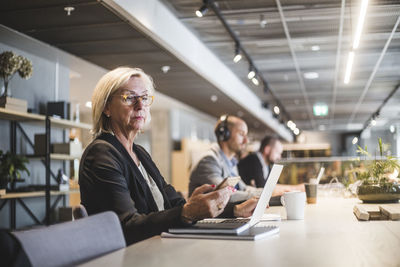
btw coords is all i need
(137, 183)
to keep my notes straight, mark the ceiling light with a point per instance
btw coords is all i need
(315, 48)
(202, 11)
(373, 122)
(88, 104)
(277, 110)
(214, 98)
(238, 56)
(296, 131)
(165, 69)
(320, 109)
(349, 66)
(311, 75)
(355, 140)
(392, 128)
(361, 19)
(263, 21)
(69, 9)
(289, 124)
(251, 73)
(255, 81)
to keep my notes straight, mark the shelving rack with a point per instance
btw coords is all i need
(16, 117)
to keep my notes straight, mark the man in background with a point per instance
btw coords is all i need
(254, 168)
(220, 160)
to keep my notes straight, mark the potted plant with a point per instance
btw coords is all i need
(10, 64)
(379, 182)
(11, 166)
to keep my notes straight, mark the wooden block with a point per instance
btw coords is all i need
(361, 213)
(392, 211)
(377, 216)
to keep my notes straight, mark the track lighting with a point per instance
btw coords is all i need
(238, 56)
(251, 73)
(255, 81)
(202, 11)
(277, 110)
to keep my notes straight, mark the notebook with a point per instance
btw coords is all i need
(237, 225)
(253, 233)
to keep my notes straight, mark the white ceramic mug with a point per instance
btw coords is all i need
(294, 202)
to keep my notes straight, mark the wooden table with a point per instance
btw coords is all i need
(330, 235)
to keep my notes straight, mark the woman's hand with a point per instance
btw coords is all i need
(246, 208)
(206, 203)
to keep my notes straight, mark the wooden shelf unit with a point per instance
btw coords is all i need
(49, 123)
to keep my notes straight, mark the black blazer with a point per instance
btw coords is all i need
(250, 168)
(110, 180)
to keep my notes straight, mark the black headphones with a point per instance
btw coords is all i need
(221, 130)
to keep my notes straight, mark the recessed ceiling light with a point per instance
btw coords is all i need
(165, 69)
(214, 98)
(315, 48)
(392, 128)
(88, 104)
(296, 131)
(277, 110)
(286, 77)
(69, 9)
(311, 75)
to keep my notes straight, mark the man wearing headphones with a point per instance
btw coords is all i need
(220, 162)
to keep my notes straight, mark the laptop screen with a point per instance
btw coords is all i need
(266, 194)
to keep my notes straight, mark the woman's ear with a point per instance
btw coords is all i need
(106, 110)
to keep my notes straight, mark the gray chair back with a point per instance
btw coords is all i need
(74, 242)
(79, 212)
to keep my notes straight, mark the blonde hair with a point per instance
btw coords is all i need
(105, 88)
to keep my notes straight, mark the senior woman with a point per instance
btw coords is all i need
(117, 174)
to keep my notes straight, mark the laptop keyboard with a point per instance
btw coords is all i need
(219, 221)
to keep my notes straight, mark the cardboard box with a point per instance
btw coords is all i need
(71, 148)
(40, 144)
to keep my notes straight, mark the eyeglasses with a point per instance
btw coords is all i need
(130, 100)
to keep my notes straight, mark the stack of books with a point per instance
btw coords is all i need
(14, 104)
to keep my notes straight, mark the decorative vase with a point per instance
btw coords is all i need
(386, 193)
(4, 89)
(3, 185)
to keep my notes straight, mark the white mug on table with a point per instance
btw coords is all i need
(294, 202)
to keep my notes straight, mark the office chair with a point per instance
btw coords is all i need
(74, 242)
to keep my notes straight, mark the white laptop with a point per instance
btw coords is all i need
(236, 226)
